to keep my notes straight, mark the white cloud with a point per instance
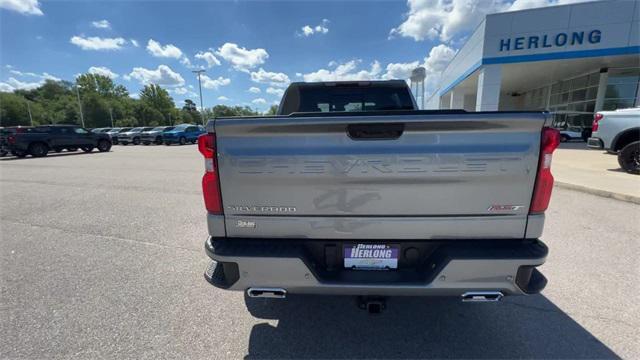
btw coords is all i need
(101, 24)
(134, 42)
(309, 30)
(98, 43)
(26, 7)
(4, 87)
(272, 78)
(254, 90)
(186, 62)
(209, 83)
(104, 71)
(259, 101)
(240, 58)
(168, 51)
(181, 90)
(208, 57)
(14, 84)
(223, 98)
(445, 19)
(400, 70)
(275, 91)
(438, 59)
(163, 75)
(346, 71)
(43, 76)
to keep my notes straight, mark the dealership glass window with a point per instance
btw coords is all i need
(573, 100)
(622, 89)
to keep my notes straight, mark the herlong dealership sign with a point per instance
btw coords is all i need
(561, 39)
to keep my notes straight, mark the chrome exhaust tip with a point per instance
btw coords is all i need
(482, 296)
(273, 293)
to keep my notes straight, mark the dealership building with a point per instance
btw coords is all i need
(571, 60)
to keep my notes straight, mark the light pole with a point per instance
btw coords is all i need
(111, 116)
(79, 105)
(29, 111)
(199, 72)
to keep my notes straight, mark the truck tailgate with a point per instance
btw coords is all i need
(394, 176)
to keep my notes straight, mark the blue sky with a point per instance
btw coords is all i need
(250, 50)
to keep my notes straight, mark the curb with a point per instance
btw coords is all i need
(598, 192)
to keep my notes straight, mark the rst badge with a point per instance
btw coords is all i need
(494, 208)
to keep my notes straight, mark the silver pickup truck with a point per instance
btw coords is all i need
(350, 190)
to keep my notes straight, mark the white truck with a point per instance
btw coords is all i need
(351, 190)
(618, 132)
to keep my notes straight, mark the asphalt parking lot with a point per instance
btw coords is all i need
(102, 256)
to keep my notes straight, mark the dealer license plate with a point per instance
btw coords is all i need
(371, 257)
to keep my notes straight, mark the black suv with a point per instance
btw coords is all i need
(38, 141)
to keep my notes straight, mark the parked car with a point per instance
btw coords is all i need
(351, 190)
(182, 134)
(101, 130)
(115, 133)
(618, 132)
(38, 141)
(132, 136)
(572, 133)
(154, 135)
(5, 133)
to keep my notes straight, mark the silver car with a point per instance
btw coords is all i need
(132, 136)
(154, 135)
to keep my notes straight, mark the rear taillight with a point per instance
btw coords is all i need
(211, 179)
(550, 139)
(11, 139)
(596, 119)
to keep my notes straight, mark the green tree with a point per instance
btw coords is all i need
(223, 110)
(13, 110)
(157, 98)
(273, 109)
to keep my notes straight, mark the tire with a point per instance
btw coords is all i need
(104, 146)
(124, 143)
(87, 149)
(18, 153)
(183, 140)
(194, 141)
(629, 158)
(167, 143)
(564, 138)
(146, 143)
(58, 149)
(72, 149)
(38, 149)
(136, 141)
(158, 140)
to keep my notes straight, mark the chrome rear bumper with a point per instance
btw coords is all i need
(444, 269)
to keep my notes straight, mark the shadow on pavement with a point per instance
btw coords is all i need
(333, 327)
(62, 154)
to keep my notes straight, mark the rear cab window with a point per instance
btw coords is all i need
(347, 97)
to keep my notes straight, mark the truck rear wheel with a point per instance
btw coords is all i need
(104, 146)
(629, 158)
(38, 149)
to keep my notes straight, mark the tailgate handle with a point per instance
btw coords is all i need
(375, 131)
